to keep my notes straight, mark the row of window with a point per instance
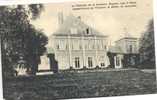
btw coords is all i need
(77, 62)
(90, 62)
(87, 47)
(130, 49)
(74, 30)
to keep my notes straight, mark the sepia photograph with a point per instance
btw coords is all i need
(79, 49)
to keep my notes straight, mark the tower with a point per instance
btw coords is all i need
(126, 33)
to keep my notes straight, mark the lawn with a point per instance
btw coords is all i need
(79, 85)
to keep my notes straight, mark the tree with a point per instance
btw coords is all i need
(19, 38)
(35, 10)
(37, 44)
(147, 49)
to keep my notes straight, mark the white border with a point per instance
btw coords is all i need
(138, 97)
(10, 2)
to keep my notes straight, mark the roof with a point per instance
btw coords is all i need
(73, 22)
(133, 38)
(76, 35)
(115, 49)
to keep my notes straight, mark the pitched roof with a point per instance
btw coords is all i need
(73, 22)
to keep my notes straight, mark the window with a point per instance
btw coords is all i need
(102, 64)
(130, 49)
(80, 47)
(90, 63)
(105, 47)
(77, 62)
(117, 61)
(87, 30)
(102, 44)
(58, 47)
(93, 47)
(89, 44)
(76, 44)
(66, 47)
(132, 60)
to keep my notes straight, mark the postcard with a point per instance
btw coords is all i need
(79, 49)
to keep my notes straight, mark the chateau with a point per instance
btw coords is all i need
(76, 45)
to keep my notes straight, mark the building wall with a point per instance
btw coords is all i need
(45, 63)
(130, 50)
(128, 45)
(90, 50)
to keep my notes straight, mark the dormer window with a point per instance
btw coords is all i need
(87, 31)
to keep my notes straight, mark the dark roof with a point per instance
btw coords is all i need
(72, 21)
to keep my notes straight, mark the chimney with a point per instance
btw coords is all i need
(60, 18)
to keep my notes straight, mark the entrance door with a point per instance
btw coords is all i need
(90, 62)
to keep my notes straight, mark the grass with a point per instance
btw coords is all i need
(80, 85)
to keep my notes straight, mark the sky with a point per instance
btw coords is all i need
(114, 22)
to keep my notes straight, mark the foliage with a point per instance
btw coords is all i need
(111, 59)
(19, 38)
(147, 49)
(35, 10)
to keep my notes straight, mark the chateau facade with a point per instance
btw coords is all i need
(77, 46)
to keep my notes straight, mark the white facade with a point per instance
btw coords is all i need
(44, 64)
(79, 51)
(77, 45)
(128, 45)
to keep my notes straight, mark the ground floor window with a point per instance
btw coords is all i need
(102, 64)
(58, 47)
(117, 61)
(132, 60)
(90, 63)
(77, 62)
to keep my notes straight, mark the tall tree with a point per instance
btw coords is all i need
(147, 47)
(35, 10)
(37, 41)
(19, 38)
